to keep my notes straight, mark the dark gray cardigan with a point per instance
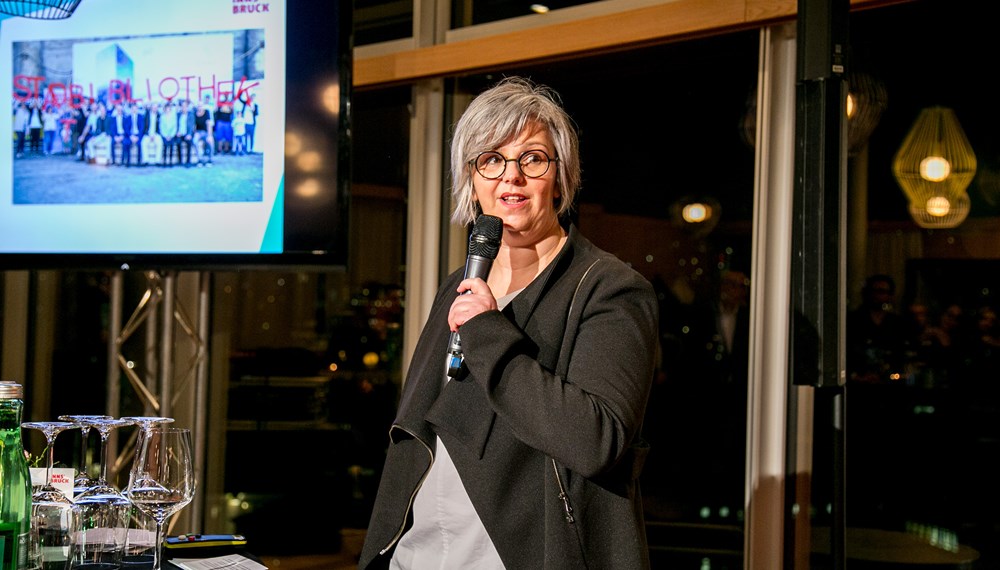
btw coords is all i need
(544, 429)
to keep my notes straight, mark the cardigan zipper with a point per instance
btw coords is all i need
(413, 495)
(567, 508)
(562, 495)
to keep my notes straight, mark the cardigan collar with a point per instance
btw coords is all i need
(521, 307)
(466, 409)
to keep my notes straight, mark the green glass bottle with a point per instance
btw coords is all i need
(15, 481)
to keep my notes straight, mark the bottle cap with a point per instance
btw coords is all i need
(11, 389)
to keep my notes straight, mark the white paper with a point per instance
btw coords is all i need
(230, 562)
(62, 478)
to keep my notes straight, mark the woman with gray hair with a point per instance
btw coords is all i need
(530, 457)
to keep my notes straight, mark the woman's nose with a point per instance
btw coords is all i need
(512, 174)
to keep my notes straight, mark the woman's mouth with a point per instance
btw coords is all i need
(512, 198)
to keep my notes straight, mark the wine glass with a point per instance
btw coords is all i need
(82, 481)
(161, 481)
(147, 422)
(140, 534)
(104, 510)
(55, 518)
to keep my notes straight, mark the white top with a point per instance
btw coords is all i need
(49, 120)
(152, 127)
(447, 533)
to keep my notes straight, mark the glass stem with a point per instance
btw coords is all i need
(104, 458)
(84, 433)
(158, 546)
(51, 462)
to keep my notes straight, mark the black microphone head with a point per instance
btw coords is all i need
(485, 238)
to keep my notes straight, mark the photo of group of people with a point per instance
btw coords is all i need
(144, 131)
(131, 133)
(106, 117)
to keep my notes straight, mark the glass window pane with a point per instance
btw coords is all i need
(317, 356)
(473, 12)
(382, 20)
(922, 403)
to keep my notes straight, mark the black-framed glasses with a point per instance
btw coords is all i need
(532, 163)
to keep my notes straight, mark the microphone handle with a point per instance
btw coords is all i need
(455, 357)
(478, 266)
(475, 266)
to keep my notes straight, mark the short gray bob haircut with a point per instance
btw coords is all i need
(493, 119)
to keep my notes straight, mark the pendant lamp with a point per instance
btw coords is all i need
(696, 215)
(866, 101)
(934, 167)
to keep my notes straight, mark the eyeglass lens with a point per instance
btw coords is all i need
(533, 163)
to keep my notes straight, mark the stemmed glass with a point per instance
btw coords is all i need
(147, 422)
(83, 481)
(55, 518)
(104, 510)
(140, 534)
(161, 481)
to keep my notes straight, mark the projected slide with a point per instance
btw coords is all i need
(136, 128)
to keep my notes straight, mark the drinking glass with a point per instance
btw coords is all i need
(140, 534)
(104, 510)
(147, 422)
(161, 481)
(83, 481)
(55, 518)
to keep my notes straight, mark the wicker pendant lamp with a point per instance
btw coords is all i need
(866, 101)
(934, 167)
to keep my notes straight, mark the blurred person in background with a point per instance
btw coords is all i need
(876, 334)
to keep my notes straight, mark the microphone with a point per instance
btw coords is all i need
(484, 244)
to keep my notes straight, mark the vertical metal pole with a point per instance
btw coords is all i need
(767, 396)
(167, 344)
(113, 396)
(424, 208)
(152, 342)
(820, 226)
(114, 331)
(201, 395)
